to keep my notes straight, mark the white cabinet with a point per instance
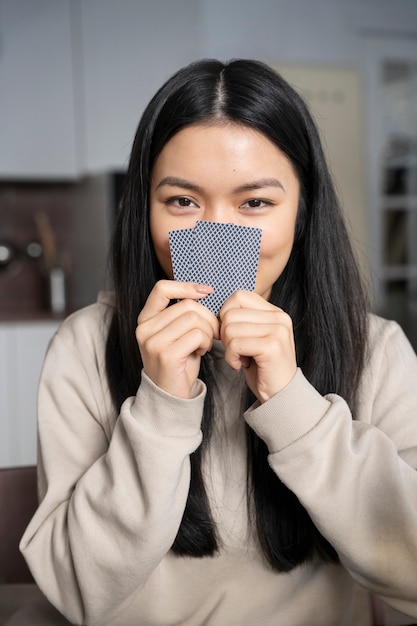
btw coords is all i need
(75, 77)
(128, 50)
(22, 350)
(38, 117)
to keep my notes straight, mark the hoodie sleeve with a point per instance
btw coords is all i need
(112, 489)
(356, 478)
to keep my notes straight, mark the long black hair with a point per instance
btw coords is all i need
(320, 286)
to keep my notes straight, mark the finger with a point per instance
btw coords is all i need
(254, 322)
(166, 290)
(156, 341)
(176, 352)
(263, 350)
(248, 339)
(248, 329)
(190, 313)
(176, 367)
(245, 299)
(272, 315)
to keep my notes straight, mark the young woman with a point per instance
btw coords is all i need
(252, 468)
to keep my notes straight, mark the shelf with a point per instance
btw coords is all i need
(402, 202)
(399, 272)
(408, 161)
(28, 317)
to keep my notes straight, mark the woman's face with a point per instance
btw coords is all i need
(226, 173)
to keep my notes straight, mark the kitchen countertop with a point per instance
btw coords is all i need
(9, 317)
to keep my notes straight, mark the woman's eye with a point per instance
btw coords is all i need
(181, 201)
(255, 203)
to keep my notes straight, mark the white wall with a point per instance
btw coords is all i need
(75, 75)
(299, 30)
(130, 47)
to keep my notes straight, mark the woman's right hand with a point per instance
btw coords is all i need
(172, 339)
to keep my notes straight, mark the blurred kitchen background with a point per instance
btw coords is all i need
(75, 76)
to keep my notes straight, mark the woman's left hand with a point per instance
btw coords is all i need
(259, 338)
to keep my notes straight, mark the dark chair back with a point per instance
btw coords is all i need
(18, 503)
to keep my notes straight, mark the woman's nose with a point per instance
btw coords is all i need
(217, 214)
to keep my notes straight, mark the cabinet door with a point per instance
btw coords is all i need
(37, 100)
(5, 402)
(22, 351)
(129, 49)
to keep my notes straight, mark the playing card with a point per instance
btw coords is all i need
(224, 256)
(181, 246)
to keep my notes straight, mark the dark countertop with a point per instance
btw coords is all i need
(31, 316)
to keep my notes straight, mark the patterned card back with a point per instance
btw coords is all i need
(181, 246)
(224, 256)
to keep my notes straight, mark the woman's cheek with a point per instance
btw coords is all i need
(273, 258)
(163, 254)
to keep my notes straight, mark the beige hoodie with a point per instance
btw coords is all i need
(113, 489)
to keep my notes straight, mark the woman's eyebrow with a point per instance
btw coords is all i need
(260, 184)
(173, 181)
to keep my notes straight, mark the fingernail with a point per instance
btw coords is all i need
(203, 289)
